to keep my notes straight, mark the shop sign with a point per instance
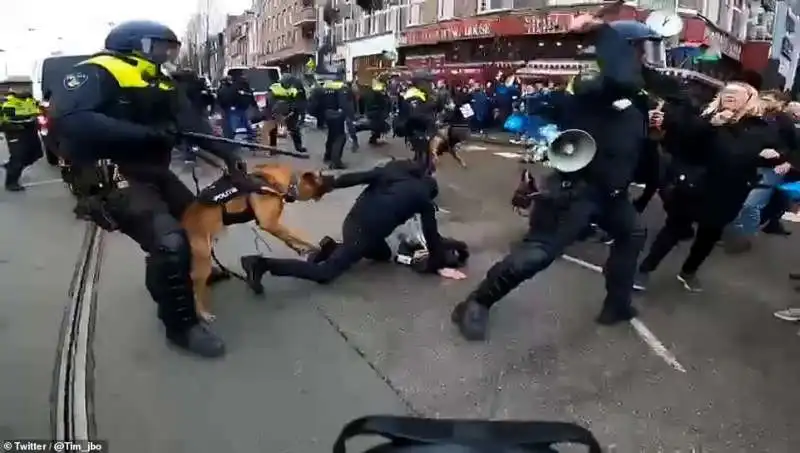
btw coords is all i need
(449, 31)
(509, 25)
(726, 44)
(547, 24)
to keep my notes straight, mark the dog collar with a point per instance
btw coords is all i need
(293, 190)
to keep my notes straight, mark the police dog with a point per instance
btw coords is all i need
(227, 202)
(446, 140)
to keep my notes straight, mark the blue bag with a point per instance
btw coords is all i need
(516, 123)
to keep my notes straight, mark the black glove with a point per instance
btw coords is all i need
(165, 137)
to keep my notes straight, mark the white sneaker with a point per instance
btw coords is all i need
(790, 314)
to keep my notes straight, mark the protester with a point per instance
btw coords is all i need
(709, 182)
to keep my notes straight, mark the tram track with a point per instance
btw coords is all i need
(72, 403)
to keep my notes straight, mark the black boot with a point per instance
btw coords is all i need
(337, 166)
(217, 275)
(198, 339)
(254, 270)
(611, 314)
(472, 320)
(14, 187)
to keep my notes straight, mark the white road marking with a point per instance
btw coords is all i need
(42, 183)
(508, 155)
(644, 333)
(473, 148)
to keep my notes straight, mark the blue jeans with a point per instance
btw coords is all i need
(749, 218)
(236, 120)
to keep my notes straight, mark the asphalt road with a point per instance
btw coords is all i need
(304, 359)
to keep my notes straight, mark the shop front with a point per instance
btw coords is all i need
(485, 45)
(481, 47)
(369, 57)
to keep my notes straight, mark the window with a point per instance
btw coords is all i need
(485, 6)
(446, 9)
(415, 12)
(373, 26)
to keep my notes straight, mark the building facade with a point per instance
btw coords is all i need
(785, 44)
(478, 38)
(238, 34)
(284, 33)
(368, 42)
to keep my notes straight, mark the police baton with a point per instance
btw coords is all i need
(270, 149)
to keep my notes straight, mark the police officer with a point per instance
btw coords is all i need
(286, 101)
(377, 106)
(609, 105)
(118, 106)
(331, 99)
(19, 113)
(416, 116)
(352, 130)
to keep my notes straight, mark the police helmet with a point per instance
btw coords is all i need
(150, 40)
(638, 33)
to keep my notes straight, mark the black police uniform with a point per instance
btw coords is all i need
(571, 200)
(377, 106)
(394, 193)
(331, 99)
(416, 119)
(286, 101)
(121, 108)
(22, 138)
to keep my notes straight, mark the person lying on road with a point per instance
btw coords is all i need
(395, 192)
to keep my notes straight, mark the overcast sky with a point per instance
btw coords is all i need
(32, 29)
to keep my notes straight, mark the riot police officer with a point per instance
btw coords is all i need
(611, 107)
(377, 106)
(416, 116)
(19, 114)
(118, 106)
(331, 99)
(285, 100)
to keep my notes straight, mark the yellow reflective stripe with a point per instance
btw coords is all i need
(415, 93)
(126, 74)
(332, 85)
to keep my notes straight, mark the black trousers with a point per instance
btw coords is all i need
(293, 126)
(553, 229)
(670, 235)
(335, 139)
(345, 256)
(24, 149)
(148, 211)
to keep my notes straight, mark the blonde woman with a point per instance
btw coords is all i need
(731, 141)
(744, 227)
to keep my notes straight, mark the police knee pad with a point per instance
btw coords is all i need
(174, 245)
(521, 265)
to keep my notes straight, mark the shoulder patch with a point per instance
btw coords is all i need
(75, 80)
